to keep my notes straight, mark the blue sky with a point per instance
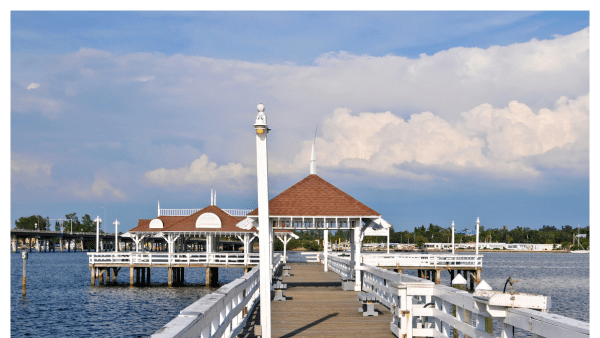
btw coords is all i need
(426, 117)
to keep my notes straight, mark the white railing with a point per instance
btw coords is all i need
(421, 308)
(221, 314)
(423, 260)
(167, 259)
(188, 212)
(339, 265)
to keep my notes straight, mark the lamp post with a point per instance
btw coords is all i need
(97, 220)
(477, 239)
(116, 223)
(453, 237)
(264, 228)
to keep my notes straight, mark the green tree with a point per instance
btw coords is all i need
(29, 223)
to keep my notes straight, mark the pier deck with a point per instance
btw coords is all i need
(316, 306)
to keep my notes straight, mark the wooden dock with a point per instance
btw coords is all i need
(316, 306)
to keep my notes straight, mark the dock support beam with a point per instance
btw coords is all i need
(212, 276)
(131, 275)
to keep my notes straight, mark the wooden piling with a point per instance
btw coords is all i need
(93, 270)
(131, 274)
(212, 276)
(170, 276)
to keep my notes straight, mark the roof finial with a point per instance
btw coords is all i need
(211, 197)
(313, 161)
(158, 207)
(215, 199)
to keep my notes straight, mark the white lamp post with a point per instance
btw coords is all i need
(477, 239)
(453, 237)
(116, 223)
(264, 228)
(98, 220)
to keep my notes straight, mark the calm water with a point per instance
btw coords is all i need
(61, 303)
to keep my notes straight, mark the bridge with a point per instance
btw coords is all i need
(316, 305)
(47, 241)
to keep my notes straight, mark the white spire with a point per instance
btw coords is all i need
(215, 199)
(212, 199)
(313, 160)
(158, 208)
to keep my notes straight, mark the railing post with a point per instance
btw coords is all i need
(507, 331)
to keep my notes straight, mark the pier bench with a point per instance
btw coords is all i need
(286, 270)
(367, 300)
(279, 287)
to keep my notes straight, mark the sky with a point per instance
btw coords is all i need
(426, 117)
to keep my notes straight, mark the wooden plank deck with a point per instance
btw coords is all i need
(316, 306)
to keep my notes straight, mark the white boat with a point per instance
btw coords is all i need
(581, 251)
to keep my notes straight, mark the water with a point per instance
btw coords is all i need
(61, 303)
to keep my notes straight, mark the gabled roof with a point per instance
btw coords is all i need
(313, 196)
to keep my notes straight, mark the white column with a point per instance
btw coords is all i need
(264, 227)
(357, 258)
(477, 239)
(453, 237)
(116, 223)
(325, 250)
(98, 220)
(285, 242)
(388, 242)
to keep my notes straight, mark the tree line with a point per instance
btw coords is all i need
(547, 234)
(70, 221)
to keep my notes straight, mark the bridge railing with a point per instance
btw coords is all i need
(221, 314)
(162, 258)
(421, 308)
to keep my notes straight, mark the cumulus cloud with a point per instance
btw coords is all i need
(101, 187)
(33, 85)
(202, 172)
(510, 142)
(31, 172)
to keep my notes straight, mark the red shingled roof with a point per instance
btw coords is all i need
(144, 224)
(188, 223)
(313, 196)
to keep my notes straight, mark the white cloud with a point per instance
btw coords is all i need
(33, 85)
(100, 188)
(30, 171)
(203, 172)
(509, 142)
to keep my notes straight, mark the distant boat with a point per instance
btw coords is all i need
(580, 251)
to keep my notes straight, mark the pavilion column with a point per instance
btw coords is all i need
(325, 249)
(357, 256)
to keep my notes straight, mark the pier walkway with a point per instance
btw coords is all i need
(316, 306)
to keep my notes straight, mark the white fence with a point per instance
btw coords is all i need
(222, 313)
(167, 259)
(188, 212)
(421, 308)
(421, 260)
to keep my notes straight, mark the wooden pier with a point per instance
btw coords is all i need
(316, 306)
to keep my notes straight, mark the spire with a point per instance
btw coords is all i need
(212, 199)
(158, 208)
(313, 160)
(215, 198)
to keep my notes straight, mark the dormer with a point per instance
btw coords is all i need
(208, 220)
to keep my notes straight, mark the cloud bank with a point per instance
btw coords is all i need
(510, 112)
